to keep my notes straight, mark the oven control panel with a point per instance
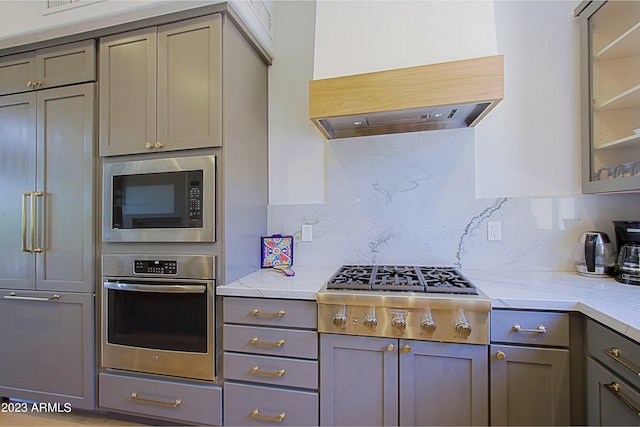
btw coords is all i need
(155, 267)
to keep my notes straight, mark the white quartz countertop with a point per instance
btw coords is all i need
(603, 299)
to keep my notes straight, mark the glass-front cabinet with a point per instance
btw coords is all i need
(610, 62)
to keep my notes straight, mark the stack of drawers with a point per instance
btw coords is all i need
(613, 377)
(270, 362)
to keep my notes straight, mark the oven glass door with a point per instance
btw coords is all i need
(163, 316)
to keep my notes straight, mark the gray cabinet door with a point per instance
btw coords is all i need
(127, 76)
(610, 400)
(65, 226)
(529, 386)
(18, 176)
(66, 64)
(46, 158)
(443, 383)
(358, 381)
(160, 88)
(16, 71)
(47, 347)
(189, 84)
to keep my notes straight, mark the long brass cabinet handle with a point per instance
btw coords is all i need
(256, 371)
(541, 329)
(25, 196)
(256, 414)
(616, 355)
(256, 312)
(614, 388)
(32, 221)
(134, 397)
(14, 296)
(256, 341)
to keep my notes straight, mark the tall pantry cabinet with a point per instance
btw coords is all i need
(47, 234)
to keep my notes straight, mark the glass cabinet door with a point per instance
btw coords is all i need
(611, 78)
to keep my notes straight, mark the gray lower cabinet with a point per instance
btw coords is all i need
(382, 381)
(270, 362)
(47, 346)
(530, 372)
(613, 377)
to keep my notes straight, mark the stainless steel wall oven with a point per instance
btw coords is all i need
(158, 314)
(160, 200)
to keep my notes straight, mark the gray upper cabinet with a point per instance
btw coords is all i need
(46, 206)
(46, 68)
(160, 88)
(610, 63)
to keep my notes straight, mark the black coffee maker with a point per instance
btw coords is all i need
(628, 246)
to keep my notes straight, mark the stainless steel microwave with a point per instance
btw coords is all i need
(159, 200)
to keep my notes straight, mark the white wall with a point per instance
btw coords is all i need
(296, 148)
(529, 145)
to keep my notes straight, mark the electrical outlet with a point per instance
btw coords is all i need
(307, 233)
(494, 231)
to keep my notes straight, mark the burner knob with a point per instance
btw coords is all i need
(398, 324)
(463, 329)
(339, 320)
(428, 325)
(370, 321)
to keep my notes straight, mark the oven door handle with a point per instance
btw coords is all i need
(137, 287)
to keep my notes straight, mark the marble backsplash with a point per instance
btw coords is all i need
(410, 199)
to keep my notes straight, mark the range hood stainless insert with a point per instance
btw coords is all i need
(449, 95)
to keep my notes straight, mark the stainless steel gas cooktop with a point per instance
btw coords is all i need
(432, 303)
(401, 278)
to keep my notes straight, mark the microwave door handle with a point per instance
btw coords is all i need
(136, 287)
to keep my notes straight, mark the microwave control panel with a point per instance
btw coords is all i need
(155, 267)
(195, 201)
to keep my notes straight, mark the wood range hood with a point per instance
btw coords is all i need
(448, 95)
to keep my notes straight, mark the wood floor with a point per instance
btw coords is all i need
(74, 418)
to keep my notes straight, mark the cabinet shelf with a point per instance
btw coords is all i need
(620, 142)
(628, 44)
(629, 98)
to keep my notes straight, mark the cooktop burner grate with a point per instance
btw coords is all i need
(401, 278)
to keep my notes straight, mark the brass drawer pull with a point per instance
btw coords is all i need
(256, 312)
(134, 397)
(541, 329)
(256, 414)
(614, 388)
(256, 341)
(616, 355)
(256, 371)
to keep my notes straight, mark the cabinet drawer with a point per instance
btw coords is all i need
(535, 327)
(614, 351)
(187, 403)
(610, 400)
(271, 312)
(271, 370)
(270, 341)
(249, 405)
